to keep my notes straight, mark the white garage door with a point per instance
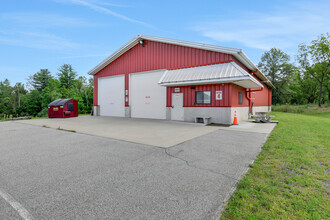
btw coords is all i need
(111, 96)
(148, 98)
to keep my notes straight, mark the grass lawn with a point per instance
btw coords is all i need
(290, 177)
(36, 117)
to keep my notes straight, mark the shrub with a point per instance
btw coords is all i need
(22, 114)
(308, 109)
(43, 113)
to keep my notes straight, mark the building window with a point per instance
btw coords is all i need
(70, 107)
(203, 97)
(240, 98)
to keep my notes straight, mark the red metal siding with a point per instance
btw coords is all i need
(189, 95)
(154, 56)
(229, 95)
(235, 97)
(261, 98)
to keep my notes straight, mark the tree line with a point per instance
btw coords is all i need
(308, 81)
(42, 88)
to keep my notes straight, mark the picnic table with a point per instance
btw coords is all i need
(262, 117)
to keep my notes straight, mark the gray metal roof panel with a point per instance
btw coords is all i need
(208, 72)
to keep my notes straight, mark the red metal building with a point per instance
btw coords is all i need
(63, 108)
(153, 77)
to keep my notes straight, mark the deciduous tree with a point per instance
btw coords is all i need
(314, 60)
(275, 64)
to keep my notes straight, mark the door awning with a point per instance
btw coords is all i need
(210, 74)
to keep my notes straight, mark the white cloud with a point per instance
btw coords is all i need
(35, 19)
(109, 4)
(96, 6)
(285, 27)
(33, 30)
(84, 56)
(36, 40)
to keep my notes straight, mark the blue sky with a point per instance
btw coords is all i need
(38, 34)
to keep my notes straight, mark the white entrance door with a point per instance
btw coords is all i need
(177, 107)
(111, 96)
(147, 97)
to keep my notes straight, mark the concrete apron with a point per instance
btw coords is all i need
(251, 126)
(159, 133)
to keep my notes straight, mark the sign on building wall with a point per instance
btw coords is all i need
(176, 89)
(218, 95)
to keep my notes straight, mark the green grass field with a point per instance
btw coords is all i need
(290, 177)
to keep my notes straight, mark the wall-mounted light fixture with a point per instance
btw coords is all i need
(141, 42)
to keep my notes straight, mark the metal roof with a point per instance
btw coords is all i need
(59, 102)
(237, 53)
(208, 74)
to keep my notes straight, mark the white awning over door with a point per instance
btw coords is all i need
(210, 74)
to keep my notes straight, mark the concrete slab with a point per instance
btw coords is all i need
(160, 133)
(62, 175)
(250, 126)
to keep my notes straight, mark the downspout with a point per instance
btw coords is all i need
(268, 101)
(248, 95)
(248, 98)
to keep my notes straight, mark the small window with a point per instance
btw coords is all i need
(70, 107)
(240, 98)
(203, 97)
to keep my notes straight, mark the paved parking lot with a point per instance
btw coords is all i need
(53, 174)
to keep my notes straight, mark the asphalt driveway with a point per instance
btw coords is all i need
(53, 174)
